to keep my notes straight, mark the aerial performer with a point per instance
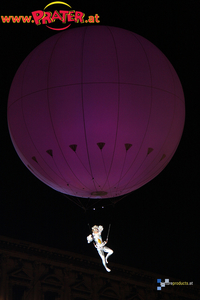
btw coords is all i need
(100, 245)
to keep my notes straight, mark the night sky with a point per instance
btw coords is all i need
(156, 228)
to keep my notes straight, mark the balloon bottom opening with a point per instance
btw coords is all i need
(99, 193)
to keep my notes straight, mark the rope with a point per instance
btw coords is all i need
(108, 232)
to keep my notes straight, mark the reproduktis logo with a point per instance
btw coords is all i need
(56, 15)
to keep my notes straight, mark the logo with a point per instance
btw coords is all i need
(56, 15)
(167, 282)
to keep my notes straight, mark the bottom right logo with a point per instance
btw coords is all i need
(163, 284)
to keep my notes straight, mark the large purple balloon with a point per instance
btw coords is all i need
(96, 111)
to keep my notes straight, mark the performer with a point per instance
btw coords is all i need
(100, 246)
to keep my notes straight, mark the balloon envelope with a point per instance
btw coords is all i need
(96, 111)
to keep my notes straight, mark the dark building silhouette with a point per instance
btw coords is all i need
(33, 272)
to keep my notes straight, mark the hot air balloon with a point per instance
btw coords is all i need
(96, 112)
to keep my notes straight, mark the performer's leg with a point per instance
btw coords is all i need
(108, 251)
(101, 254)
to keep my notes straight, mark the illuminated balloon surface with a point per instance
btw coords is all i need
(96, 111)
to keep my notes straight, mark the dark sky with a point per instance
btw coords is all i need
(156, 228)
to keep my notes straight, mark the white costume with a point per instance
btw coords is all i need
(100, 246)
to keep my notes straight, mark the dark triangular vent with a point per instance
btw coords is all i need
(35, 159)
(50, 152)
(149, 151)
(73, 147)
(127, 146)
(163, 156)
(100, 145)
